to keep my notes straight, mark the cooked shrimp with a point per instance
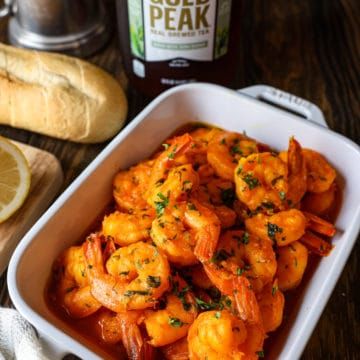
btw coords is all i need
(137, 275)
(297, 173)
(72, 283)
(180, 181)
(313, 242)
(221, 335)
(126, 228)
(164, 326)
(292, 261)
(244, 254)
(316, 244)
(285, 227)
(320, 173)
(197, 153)
(240, 288)
(206, 173)
(226, 215)
(320, 203)
(109, 324)
(271, 302)
(129, 186)
(226, 149)
(164, 162)
(177, 350)
(319, 225)
(187, 232)
(221, 192)
(137, 348)
(199, 277)
(282, 228)
(260, 181)
(204, 135)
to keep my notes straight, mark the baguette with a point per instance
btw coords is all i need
(59, 96)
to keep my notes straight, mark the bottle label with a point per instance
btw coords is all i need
(162, 30)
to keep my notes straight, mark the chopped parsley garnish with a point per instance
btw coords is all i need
(239, 170)
(161, 205)
(221, 255)
(240, 271)
(251, 181)
(153, 281)
(236, 150)
(282, 195)
(274, 290)
(175, 322)
(223, 302)
(181, 294)
(136, 292)
(166, 146)
(218, 314)
(187, 185)
(191, 206)
(227, 196)
(172, 154)
(203, 305)
(223, 141)
(260, 353)
(227, 301)
(272, 230)
(268, 205)
(243, 239)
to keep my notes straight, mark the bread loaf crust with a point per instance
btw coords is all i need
(59, 96)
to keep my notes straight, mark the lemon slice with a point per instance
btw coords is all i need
(14, 178)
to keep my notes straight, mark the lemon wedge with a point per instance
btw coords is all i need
(15, 178)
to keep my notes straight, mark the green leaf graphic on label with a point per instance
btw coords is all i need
(222, 31)
(136, 28)
(137, 41)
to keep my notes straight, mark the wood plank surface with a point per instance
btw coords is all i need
(46, 180)
(309, 48)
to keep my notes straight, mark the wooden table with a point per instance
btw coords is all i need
(309, 48)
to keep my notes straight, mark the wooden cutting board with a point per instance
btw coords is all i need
(46, 180)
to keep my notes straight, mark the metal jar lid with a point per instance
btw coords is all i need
(74, 27)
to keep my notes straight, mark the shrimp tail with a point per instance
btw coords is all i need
(93, 255)
(316, 244)
(297, 173)
(246, 302)
(240, 288)
(319, 225)
(134, 343)
(205, 246)
(109, 248)
(223, 281)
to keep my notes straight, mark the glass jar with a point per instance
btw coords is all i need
(170, 42)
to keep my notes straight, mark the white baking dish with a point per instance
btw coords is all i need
(65, 222)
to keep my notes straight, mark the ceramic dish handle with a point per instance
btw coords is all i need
(286, 101)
